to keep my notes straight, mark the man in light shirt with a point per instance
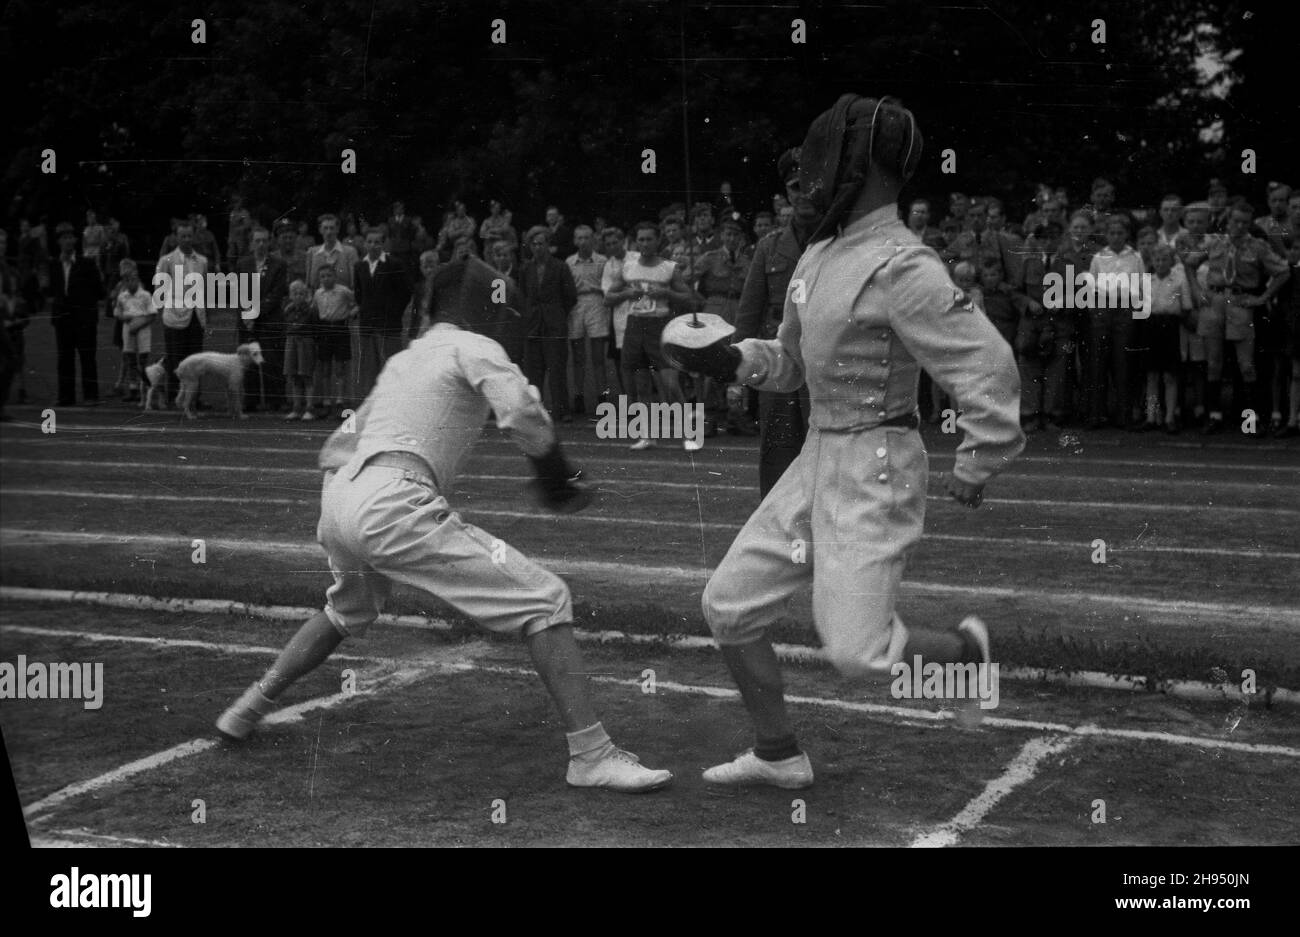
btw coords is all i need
(651, 283)
(589, 319)
(183, 324)
(385, 518)
(1113, 339)
(1171, 217)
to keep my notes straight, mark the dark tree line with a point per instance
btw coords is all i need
(147, 124)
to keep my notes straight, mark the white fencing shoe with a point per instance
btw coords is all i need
(789, 773)
(617, 770)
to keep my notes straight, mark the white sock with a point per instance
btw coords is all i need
(589, 744)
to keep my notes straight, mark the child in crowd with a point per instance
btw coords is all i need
(1171, 307)
(1003, 307)
(134, 308)
(300, 324)
(1147, 239)
(336, 306)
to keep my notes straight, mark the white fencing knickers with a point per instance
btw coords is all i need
(389, 525)
(842, 517)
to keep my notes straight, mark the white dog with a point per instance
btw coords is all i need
(229, 367)
(156, 398)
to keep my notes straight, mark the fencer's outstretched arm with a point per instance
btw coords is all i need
(519, 411)
(962, 350)
(774, 364)
(516, 403)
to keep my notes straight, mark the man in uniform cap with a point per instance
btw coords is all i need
(782, 416)
(869, 306)
(720, 278)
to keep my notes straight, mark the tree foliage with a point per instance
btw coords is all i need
(147, 124)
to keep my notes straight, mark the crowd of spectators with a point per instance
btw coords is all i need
(1212, 330)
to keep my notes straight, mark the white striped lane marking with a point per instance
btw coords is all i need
(1021, 769)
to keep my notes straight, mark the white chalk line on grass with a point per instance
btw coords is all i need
(636, 484)
(372, 685)
(1288, 616)
(798, 653)
(750, 470)
(1020, 770)
(319, 434)
(463, 664)
(588, 518)
(84, 839)
(233, 649)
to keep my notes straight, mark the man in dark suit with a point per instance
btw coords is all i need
(548, 287)
(561, 233)
(76, 290)
(268, 328)
(383, 289)
(401, 236)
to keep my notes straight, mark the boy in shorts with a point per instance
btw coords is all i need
(335, 306)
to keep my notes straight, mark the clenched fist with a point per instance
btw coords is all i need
(964, 492)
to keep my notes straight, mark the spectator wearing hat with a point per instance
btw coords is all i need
(1252, 274)
(550, 294)
(703, 237)
(720, 278)
(782, 417)
(1274, 227)
(677, 247)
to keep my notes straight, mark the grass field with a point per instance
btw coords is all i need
(1199, 584)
